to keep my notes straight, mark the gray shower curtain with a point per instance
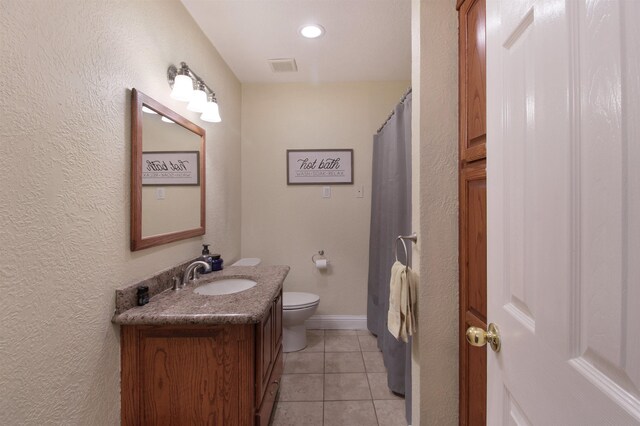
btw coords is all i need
(390, 217)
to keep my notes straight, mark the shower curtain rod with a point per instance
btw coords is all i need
(402, 99)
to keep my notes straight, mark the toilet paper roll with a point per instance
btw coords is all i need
(321, 263)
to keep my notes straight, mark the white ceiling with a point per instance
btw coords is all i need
(365, 40)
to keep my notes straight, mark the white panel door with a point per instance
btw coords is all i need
(563, 181)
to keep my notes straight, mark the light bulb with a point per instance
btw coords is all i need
(198, 101)
(182, 88)
(211, 113)
(167, 119)
(148, 110)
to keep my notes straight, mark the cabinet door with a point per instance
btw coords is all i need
(187, 375)
(264, 355)
(270, 365)
(277, 324)
(263, 414)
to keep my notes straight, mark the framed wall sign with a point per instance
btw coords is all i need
(171, 168)
(319, 166)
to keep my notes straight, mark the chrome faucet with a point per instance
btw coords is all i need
(191, 269)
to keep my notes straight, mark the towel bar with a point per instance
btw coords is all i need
(413, 237)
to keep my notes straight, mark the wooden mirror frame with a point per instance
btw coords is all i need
(138, 99)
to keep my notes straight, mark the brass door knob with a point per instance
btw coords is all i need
(478, 337)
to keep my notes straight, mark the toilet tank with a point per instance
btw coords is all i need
(248, 261)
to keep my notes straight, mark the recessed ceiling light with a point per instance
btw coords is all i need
(311, 31)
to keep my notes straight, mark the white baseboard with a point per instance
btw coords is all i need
(337, 322)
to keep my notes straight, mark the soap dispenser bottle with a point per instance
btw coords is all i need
(206, 257)
(216, 262)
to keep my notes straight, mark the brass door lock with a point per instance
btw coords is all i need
(478, 337)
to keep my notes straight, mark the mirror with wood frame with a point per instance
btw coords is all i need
(167, 175)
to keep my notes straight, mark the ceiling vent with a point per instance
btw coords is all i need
(283, 65)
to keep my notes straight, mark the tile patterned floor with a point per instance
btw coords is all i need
(339, 379)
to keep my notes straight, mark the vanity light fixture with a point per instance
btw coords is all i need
(311, 31)
(198, 99)
(201, 99)
(182, 84)
(211, 111)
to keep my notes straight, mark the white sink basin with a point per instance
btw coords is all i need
(225, 286)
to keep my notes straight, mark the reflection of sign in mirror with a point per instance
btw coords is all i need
(171, 168)
(319, 166)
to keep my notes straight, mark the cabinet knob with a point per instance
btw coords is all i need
(274, 389)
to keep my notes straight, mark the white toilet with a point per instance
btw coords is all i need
(248, 261)
(296, 309)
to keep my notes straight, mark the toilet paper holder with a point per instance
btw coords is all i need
(319, 253)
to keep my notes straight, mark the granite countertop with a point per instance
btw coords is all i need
(186, 307)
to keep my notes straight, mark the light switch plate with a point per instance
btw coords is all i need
(160, 194)
(326, 192)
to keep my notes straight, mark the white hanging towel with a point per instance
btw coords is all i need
(409, 303)
(400, 318)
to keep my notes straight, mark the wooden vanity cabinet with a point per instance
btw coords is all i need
(225, 374)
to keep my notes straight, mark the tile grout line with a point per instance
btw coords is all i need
(366, 373)
(375, 413)
(322, 348)
(324, 372)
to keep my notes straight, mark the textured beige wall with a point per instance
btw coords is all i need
(288, 224)
(68, 67)
(435, 209)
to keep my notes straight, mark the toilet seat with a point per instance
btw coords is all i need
(292, 300)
